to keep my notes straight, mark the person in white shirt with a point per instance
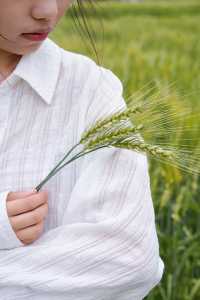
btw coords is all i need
(90, 233)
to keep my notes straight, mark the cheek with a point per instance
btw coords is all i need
(10, 13)
(4, 22)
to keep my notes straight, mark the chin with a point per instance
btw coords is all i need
(25, 51)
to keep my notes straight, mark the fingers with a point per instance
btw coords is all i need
(21, 205)
(18, 195)
(26, 212)
(30, 234)
(29, 218)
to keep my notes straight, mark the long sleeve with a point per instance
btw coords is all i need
(106, 247)
(113, 255)
(8, 238)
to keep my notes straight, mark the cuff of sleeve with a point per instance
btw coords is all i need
(8, 238)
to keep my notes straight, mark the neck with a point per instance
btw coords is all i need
(8, 62)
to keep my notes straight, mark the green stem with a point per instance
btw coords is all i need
(80, 154)
(52, 171)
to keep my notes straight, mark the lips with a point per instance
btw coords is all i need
(36, 36)
(39, 32)
(36, 32)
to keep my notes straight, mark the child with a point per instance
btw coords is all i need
(90, 233)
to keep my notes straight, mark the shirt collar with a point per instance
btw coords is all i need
(40, 69)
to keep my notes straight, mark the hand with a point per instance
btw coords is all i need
(26, 212)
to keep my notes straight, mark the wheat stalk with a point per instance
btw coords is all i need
(118, 130)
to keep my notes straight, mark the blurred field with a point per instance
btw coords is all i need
(157, 41)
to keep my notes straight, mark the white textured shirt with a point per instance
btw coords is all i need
(99, 240)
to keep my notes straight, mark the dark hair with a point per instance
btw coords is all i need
(81, 12)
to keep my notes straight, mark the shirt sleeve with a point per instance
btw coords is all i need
(110, 249)
(8, 238)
